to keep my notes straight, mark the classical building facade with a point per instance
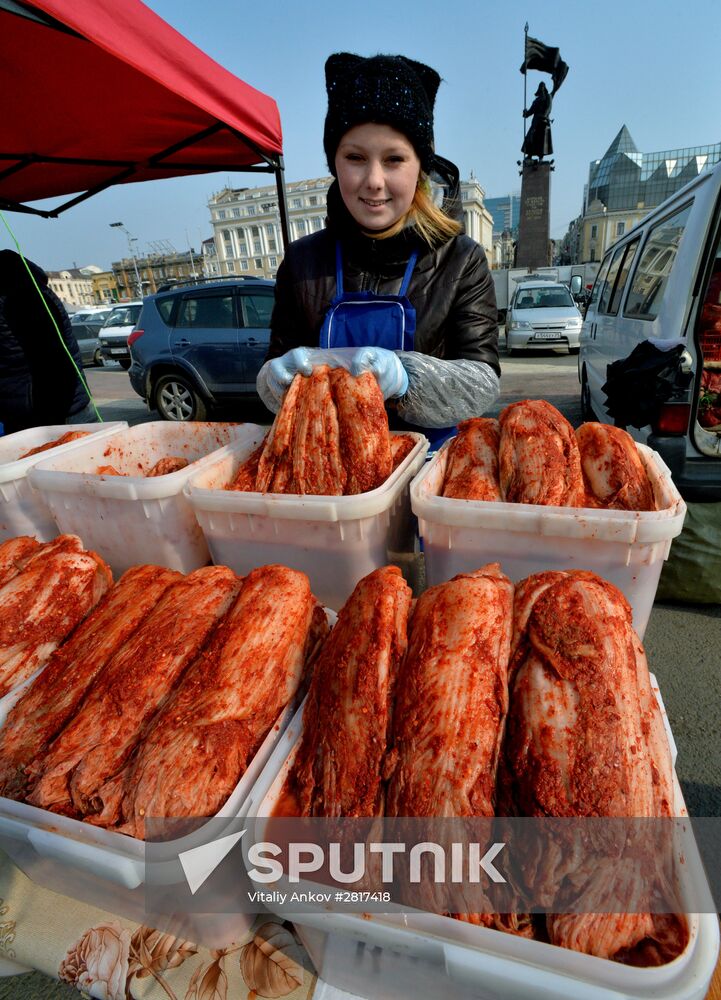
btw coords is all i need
(246, 222)
(74, 285)
(105, 289)
(625, 184)
(138, 276)
(211, 268)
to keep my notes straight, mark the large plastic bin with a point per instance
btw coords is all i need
(425, 956)
(626, 547)
(23, 511)
(335, 540)
(107, 869)
(131, 519)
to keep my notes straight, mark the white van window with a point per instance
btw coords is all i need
(123, 316)
(599, 282)
(623, 273)
(605, 296)
(654, 267)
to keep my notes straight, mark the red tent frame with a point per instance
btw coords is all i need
(104, 92)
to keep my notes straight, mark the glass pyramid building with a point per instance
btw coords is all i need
(625, 179)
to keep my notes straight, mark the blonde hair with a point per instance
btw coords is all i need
(428, 218)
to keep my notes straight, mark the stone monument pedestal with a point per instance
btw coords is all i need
(534, 230)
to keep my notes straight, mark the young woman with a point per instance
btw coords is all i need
(392, 275)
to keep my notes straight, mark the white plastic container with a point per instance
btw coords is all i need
(130, 519)
(23, 511)
(107, 869)
(628, 548)
(425, 956)
(335, 540)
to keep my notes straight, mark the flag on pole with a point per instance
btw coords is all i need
(545, 59)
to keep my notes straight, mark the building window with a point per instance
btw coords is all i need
(236, 213)
(226, 235)
(221, 213)
(620, 228)
(594, 232)
(259, 263)
(255, 232)
(231, 265)
(317, 224)
(244, 265)
(313, 200)
(297, 203)
(251, 209)
(243, 249)
(300, 227)
(272, 245)
(273, 261)
(257, 247)
(268, 206)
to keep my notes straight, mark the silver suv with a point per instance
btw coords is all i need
(542, 315)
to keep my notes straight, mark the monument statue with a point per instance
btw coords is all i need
(538, 140)
(534, 247)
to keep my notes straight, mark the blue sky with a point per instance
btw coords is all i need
(653, 66)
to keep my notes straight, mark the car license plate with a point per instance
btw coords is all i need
(117, 350)
(546, 335)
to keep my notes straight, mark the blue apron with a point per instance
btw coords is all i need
(365, 319)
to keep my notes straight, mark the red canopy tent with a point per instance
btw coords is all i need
(103, 92)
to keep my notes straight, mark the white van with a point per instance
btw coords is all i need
(660, 285)
(116, 329)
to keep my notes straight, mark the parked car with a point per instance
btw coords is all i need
(201, 346)
(660, 286)
(116, 329)
(86, 326)
(542, 315)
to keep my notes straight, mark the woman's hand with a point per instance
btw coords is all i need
(385, 365)
(281, 371)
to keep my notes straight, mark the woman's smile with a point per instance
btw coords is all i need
(378, 171)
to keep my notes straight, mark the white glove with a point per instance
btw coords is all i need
(275, 376)
(385, 365)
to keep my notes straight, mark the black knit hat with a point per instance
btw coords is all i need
(389, 90)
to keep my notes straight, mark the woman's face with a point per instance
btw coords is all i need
(377, 170)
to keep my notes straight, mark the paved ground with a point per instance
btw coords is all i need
(683, 642)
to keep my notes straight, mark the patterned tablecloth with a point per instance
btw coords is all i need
(112, 958)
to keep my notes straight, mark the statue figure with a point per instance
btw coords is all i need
(538, 138)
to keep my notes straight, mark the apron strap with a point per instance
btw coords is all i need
(409, 271)
(339, 271)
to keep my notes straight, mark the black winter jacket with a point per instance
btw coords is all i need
(38, 384)
(451, 287)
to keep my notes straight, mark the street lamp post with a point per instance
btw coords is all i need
(131, 239)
